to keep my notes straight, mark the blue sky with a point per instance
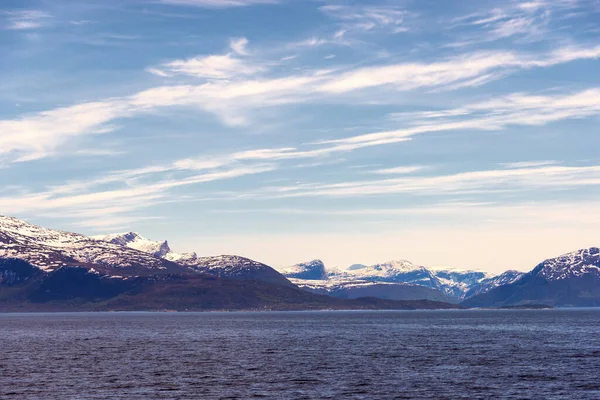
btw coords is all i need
(460, 133)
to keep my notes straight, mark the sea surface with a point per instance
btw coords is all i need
(474, 354)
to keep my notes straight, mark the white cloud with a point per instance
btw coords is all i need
(529, 164)
(118, 196)
(486, 181)
(158, 72)
(311, 42)
(25, 19)
(232, 96)
(38, 135)
(399, 170)
(238, 45)
(408, 76)
(212, 67)
(516, 109)
(217, 3)
(367, 18)
(530, 20)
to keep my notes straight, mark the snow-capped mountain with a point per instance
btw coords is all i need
(377, 281)
(118, 254)
(571, 265)
(135, 241)
(227, 266)
(451, 282)
(457, 282)
(395, 271)
(311, 270)
(50, 249)
(46, 270)
(382, 281)
(488, 284)
(572, 279)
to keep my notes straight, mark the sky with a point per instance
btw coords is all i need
(448, 133)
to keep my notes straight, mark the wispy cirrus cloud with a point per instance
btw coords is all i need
(222, 66)
(233, 92)
(117, 197)
(210, 67)
(463, 183)
(367, 18)
(529, 20)
(217, 3)
(512, 110)
(404, 170)
(530, 164)
(24, 19)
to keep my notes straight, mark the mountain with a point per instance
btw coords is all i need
(395, 280)
(25, 287)
(354, 289)
(311, 270)
(50, 249)
(224, 266)
(452, 282)
(442, 283)
(394, 271)
(572, 279)
(488, 284)
(50, 270)
(135, 241)
(457, 283)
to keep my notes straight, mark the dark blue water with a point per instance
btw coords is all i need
(552, 354)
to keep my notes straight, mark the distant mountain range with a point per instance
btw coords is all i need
(44, 269)
(398, 280)
(570, 280)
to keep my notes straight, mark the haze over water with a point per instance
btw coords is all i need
(550, 354)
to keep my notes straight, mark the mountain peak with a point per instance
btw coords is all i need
(311, 270)
(570, 265)
(51, 249)
(136, 241)
(227, 266)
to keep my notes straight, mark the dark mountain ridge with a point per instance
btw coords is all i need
(570, 280)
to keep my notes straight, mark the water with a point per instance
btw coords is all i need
(520, 354)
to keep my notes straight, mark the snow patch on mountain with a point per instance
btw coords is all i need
(570, 265)
(311, 270)
(136, 241)
(506, 278)
(50, 249)
(227, 266)
(453, 282)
